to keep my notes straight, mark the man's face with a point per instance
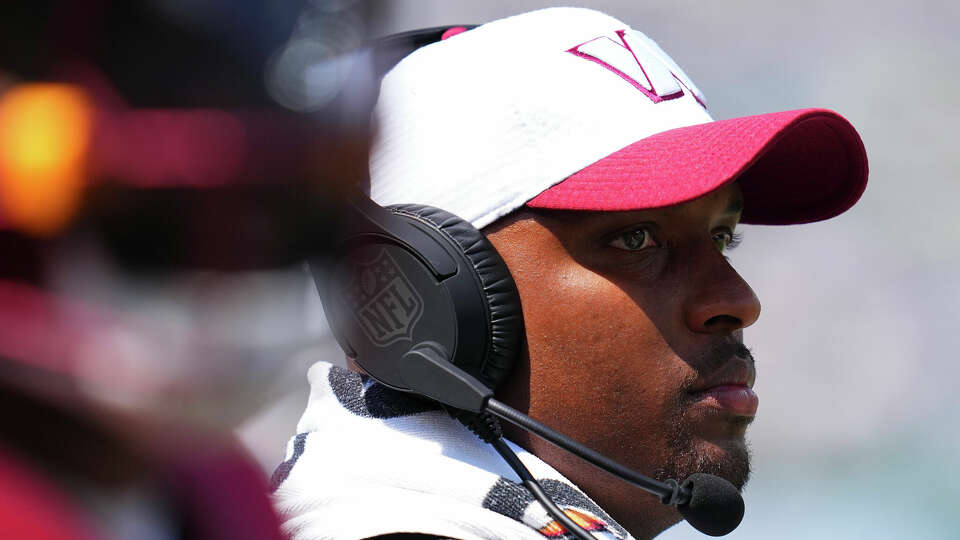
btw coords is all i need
(634, 344)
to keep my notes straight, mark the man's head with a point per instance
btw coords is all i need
(588, 159)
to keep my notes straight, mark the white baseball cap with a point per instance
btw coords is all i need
(569, 108)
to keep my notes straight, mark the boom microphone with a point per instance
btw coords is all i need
(715, 506)
(711, 504)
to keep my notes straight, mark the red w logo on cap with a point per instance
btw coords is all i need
(638, 61)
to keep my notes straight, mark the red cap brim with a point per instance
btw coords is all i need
(793, 167)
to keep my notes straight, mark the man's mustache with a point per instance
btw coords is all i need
(723, 352)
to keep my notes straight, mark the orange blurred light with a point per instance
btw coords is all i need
(45, 131)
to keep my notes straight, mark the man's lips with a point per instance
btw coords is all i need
(729, 389)
(738, 400)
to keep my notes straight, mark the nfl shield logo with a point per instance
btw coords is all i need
(383, 301)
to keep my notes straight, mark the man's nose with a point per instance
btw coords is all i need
(722, 301)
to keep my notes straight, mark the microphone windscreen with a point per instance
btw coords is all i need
(715, 507)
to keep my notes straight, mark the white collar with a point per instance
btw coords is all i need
(368, 460)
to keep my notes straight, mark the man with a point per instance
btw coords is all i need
(587, 158)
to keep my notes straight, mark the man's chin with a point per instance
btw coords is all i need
(726, 458)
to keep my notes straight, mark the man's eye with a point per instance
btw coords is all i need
(634, 240)
(725, 240)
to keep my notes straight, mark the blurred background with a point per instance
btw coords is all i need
(151, 270)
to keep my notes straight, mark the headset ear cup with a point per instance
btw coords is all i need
(500, 291)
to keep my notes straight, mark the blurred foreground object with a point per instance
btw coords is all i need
(69, 469)
(155, 202)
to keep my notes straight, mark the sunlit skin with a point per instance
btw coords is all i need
(631, 318)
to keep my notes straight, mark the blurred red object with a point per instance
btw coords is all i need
(68, 468)
(44, 331)
(32, 507)
(58, 447)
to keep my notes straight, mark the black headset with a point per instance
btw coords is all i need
(409, 281)
(415, 289)
(423, 303)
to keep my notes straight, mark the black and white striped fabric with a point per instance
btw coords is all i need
(369, 461)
